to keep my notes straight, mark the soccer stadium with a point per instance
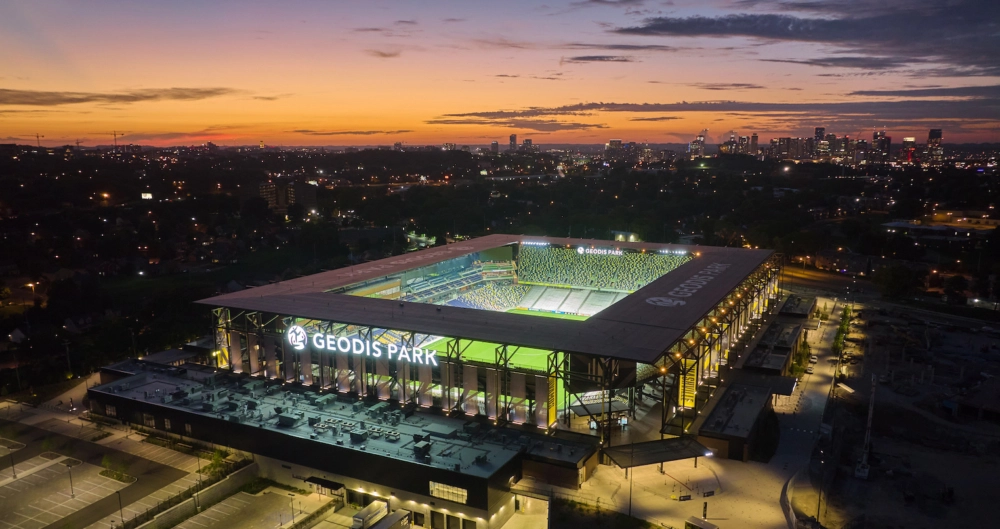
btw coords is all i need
(470, 365)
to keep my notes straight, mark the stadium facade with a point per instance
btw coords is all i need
(545, 337)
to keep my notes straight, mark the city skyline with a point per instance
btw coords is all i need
(574, 72)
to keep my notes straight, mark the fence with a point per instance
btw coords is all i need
(313, 518)
(151, 515)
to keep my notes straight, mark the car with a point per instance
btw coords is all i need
(809, 370)
(813, 359)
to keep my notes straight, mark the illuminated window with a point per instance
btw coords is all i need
(166, 424)
(447, 492)
(110, 411)
(149, 420)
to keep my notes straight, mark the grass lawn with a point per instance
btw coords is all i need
(486, 352)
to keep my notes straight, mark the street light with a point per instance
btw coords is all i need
(121, 510)
(291, 503)
(72, 493)
(12, 469)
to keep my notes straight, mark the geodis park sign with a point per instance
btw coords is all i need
(299, 339)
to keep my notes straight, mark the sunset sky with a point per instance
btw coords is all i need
(368, 72)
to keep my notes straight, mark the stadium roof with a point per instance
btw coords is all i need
(640, 327)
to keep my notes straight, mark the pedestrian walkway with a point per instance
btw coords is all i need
(149, 502)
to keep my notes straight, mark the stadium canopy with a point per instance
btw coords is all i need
(639, 327)
(652, 452)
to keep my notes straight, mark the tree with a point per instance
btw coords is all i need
(955, 287)
(255, 210)
(296, 212)
(895, 281)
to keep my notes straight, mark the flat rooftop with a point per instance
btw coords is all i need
(772, 347)
(800, 306)
(375, 427)
(736, 411)
(639, 327)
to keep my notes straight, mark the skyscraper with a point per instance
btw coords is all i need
(935, 148)
(907, 154)
(881, 145)
(495, 147)
(753, 144)
(526, 145)
(696, 149)
(513, 143)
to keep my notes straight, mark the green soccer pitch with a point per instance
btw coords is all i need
(544, 314)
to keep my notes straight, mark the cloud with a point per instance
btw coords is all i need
(541, 125)
(991, 91)
(727, 86)
(869, 111)
(348, 132)
(384, 54)
(555, 76)
(270, 98)
(613, 3)
(656, 118)
(621, 47)
(453, 20)
(405, 22)
(867, 63)
(959, 36)
(596, 58)
(42, 98)
(505, 43)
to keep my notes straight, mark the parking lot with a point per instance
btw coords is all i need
(266, 510)
(41, 493)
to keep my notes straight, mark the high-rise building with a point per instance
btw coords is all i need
(753, 145)
(818, 136)
(513, 143)
(495, 147)
(908, 152)
(526, 145)
(881, 145)
(861, 153)
(935, 147)
(448, 147)
(696, 149)
(613, 145)
(278, 195)
(744, 145)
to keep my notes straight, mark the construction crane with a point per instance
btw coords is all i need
(117, 135)
(38, 140)
(861, 471)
